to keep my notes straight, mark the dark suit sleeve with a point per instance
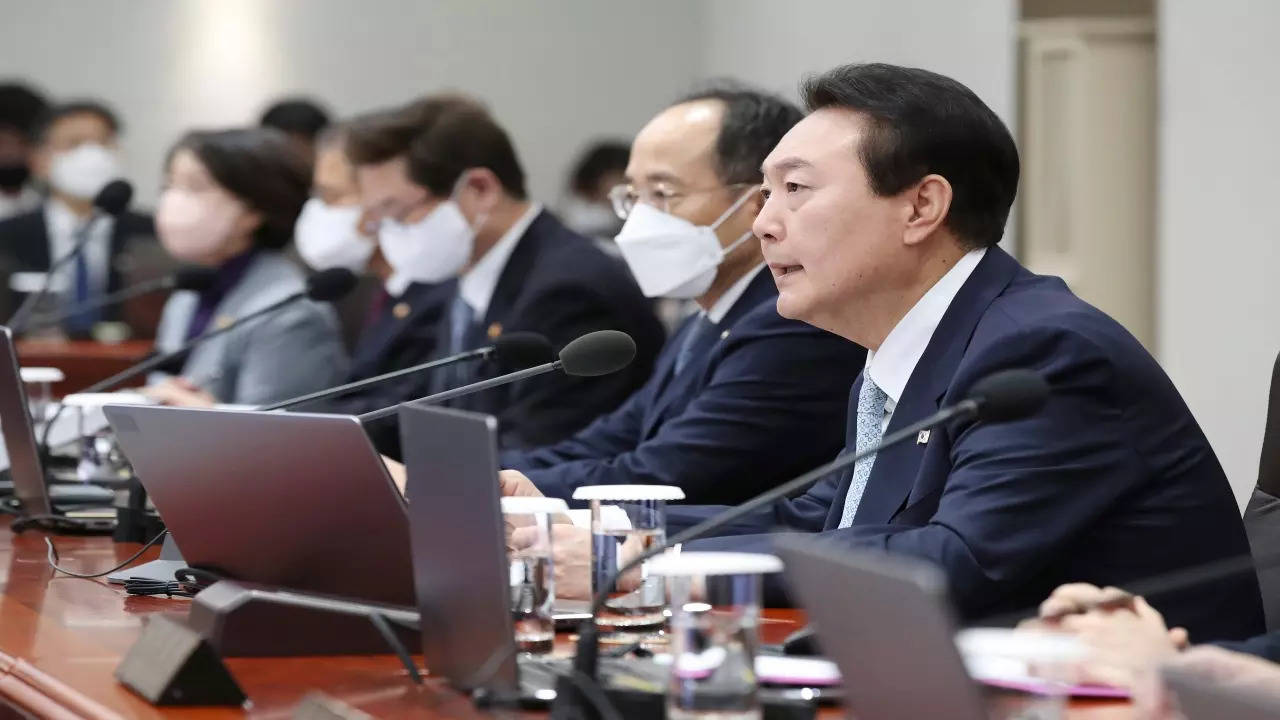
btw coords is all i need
(608, 436)
(1059, 468)
(733, 438)
(1264, 646)
(552, 407)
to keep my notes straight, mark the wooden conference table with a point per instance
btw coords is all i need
(61, 639)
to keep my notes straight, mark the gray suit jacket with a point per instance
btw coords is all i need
(295, 350)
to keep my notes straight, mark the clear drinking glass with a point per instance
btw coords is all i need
(1028, 675)
(627, 520)
(714, 630)
(533, 589)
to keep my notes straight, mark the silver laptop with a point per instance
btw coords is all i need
(886, 623)
(26, 471)
(294, 500)
(459, 555)
(1207, 698)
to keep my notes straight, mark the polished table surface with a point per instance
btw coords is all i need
(61, 639)
(83, 362)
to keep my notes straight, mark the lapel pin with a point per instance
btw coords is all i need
(401, 310)
(495, 330)
(724, 334)
(222, 322)
(922, 438)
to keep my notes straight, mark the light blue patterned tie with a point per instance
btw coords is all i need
(871, 400)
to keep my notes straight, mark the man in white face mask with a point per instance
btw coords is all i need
(392, 320)
(443, 179)
(75, 157)
(741, 398)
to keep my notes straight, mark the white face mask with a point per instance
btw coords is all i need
(84, 170)
(432, 249)
(589, 218)
(327, 237)
(670, 256)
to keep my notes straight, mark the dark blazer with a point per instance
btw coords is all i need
(1111, 482)
(561, 285)
(24, 247)
(758, 385)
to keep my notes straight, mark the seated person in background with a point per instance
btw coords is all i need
(586, 208)
(76, 156)
(736, 383)
(396, 319)
(300, 119)
(450, 194)
(882, 215)
(230, 202)
(21, 108)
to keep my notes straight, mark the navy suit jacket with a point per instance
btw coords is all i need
(762, 400)
(24, 247)
(390, 342)
(1112, 481)
(559, 284)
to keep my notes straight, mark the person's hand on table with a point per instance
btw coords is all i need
(513, 483)
(571, 554)
(396, 471)
(179, 392)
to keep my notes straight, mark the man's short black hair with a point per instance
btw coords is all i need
(599, 159)
(752, 125)
(296, 116)
(21, 108)
(77, 107)
(923, 123)
(463, 137)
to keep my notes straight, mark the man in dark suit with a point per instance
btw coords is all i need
(449, 192)
(726, 394)
(884, 208)
(76, 157)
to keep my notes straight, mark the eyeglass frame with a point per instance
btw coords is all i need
(619, 193)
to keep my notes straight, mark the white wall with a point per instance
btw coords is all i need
(1219, 241)
(556, 72)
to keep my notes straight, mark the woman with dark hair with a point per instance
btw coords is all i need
(230, 202)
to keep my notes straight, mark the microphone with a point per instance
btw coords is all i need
(197, 279)
(1000, 397)
(512, 350)
(591, 355)
(110, 201)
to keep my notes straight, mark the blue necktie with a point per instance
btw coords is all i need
(461, 318)
(83, 321)
(871, 400)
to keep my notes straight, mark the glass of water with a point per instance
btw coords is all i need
(627, 520)
(533, 588)
(715, 618)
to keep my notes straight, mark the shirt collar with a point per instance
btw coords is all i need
(59, 218)
(477, 285)
(722, 306)
(891, 366)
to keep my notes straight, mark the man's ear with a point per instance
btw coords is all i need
(929, 201)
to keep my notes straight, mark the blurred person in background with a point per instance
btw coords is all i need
(21, 108)
(76, 154)
(586, 209)
(230, 202)
(394, 319)
(449, 192)
(300, 119)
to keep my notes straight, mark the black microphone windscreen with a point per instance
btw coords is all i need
(1009, 395)
(520, 350)
(598, 353)
(196, 279)
(114, 198)
(332, 284)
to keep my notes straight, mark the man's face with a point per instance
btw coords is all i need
(333, 179)
(68, 133)
(387, 192)
(672, 167)
(830, 241)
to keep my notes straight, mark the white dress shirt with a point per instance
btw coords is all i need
(891, 366)
(476, 286)
(61, 224)
(721, 307)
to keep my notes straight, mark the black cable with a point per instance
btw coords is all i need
(22, 523)
(53, 558)
(491, 665)
(592, 691)
(380, 624)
